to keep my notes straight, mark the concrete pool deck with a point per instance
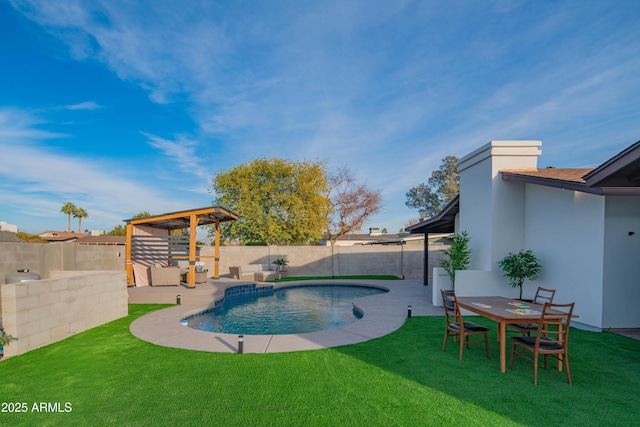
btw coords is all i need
(383, 314)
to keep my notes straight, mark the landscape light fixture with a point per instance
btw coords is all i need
(409, 311)
(240, 344)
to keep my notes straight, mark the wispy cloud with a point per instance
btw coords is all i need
(37, 180)
(87, 105)
(389, 88)
(17, 126)
(182, 151)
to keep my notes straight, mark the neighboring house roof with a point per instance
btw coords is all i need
(355, 236)
(102, 240)
(60, 236)
(353, 239)
(365, 237)
(394, 239)
(9, 237)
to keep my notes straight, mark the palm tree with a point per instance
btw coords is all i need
(80, 213)
(67, 209)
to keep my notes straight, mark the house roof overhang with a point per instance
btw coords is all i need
(444, 222)
(618, 176)
(622, 170)
(567, 179)
(182, 219)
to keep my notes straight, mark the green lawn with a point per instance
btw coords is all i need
(110, 377)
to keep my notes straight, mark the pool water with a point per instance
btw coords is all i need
(291, 310)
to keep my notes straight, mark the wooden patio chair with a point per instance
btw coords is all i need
(542, 296)
(552, 339)
(458, 328)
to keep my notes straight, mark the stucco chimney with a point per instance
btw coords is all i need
(504, 155)
(490, 209)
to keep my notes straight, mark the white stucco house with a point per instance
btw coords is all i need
(582, 224)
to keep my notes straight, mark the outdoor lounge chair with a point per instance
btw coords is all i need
(542, 296)
(164, 276)
(552, 338)
(457, 327)
(259, 272)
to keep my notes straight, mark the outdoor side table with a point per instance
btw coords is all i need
(201, 277)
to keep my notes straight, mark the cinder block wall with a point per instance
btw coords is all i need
(44, 258)
(407, 261)
(45, 311)
(404, 261)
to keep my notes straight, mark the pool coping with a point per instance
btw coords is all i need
(382, 314)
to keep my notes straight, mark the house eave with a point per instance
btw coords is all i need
(549, 182)
(571, 185)
(444, 222)
(620, 169)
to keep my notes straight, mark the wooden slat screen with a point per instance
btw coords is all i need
(159, 248)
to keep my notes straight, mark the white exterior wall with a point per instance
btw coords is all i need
(492, 212)
(621, 287)
(565, 229)
(475, 211)
(588, 245)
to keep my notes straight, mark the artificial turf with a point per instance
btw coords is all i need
(109, 377)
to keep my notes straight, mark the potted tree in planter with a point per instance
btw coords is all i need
(4, 340)
(520, 267)
(281, 266)
(459, 256)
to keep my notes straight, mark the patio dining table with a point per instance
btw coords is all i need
(505, 311)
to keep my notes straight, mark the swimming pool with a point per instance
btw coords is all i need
(288, 310)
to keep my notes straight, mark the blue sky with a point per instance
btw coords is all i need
(122, 107)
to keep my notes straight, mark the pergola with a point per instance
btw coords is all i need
(190, 219)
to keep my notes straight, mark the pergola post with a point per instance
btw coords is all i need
(216, 260)
(127, 255)
(426, 260)
(193, 225)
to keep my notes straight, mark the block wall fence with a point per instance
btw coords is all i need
(407, 261)
(45, 311)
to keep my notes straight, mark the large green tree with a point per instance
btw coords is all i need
(143, 214)
(118, 230)
(439, 190)
(279, 201)
(68, 209)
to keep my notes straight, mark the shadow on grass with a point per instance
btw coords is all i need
(604, 370)
(111, 377)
